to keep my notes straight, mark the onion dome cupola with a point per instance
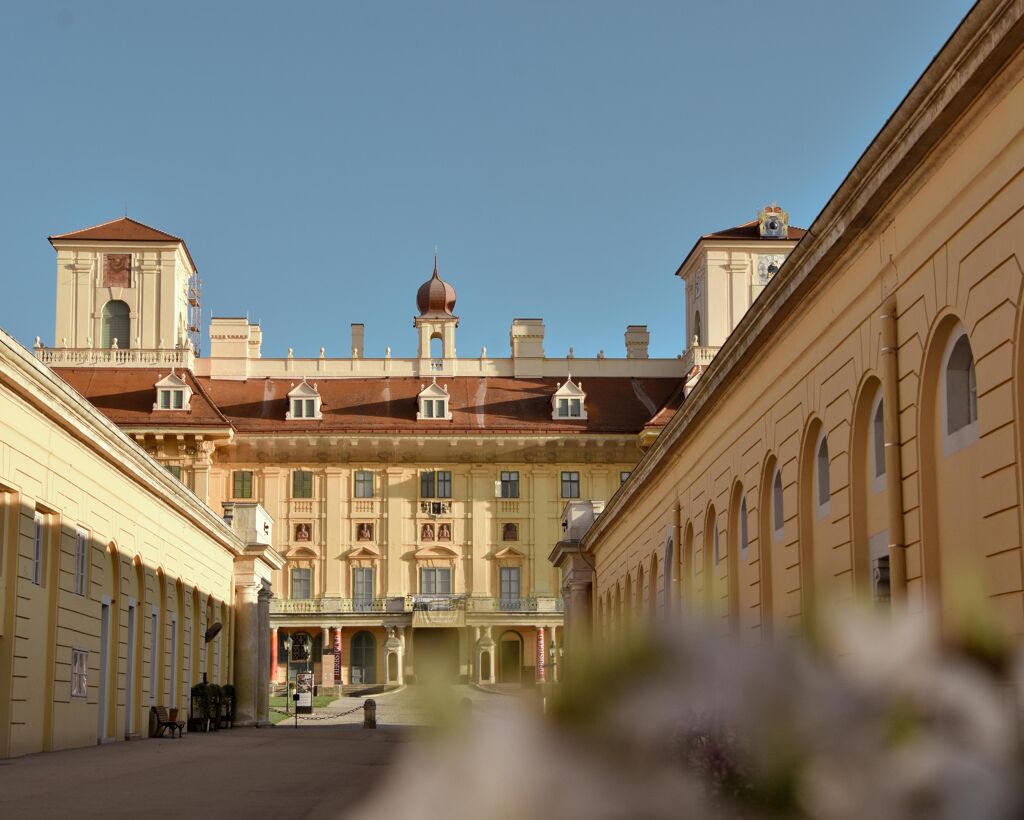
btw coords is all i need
(436, 298)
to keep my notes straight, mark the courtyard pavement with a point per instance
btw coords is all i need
(319, 770)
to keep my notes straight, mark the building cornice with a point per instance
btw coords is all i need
(52, 397)
(983, 44)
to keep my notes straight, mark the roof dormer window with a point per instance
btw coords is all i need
(172, 393)
(304, 403)
(569, 401)
(434, 403)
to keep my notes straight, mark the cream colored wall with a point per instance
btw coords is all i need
(477, 518)
(134, 540)
(950, 248)
(159, 292)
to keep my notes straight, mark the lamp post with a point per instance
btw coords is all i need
(556, 652)
(287, 672)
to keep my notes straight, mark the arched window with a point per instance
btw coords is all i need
(878, 439)
(744, 535)
(821, 468)
(778, 512)
(436, 347)
(116, 324)
(961, 392)
(696, 327)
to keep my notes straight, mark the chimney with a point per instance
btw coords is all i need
(527, 340)
(357, 341)
(637, 340)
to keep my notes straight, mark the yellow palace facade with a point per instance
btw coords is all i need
(857, 437)
(411, 502)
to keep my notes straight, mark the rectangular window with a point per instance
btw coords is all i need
(436, 484)
(570, 485)
(242, 484)
(174, 470)
(81, 557)
(302, 583)
(434, 581)
(38, 531)
(509, 584)
(563, 407)
(179, 399)
(364, 484)
(362, 588)
(510, 484)
(79, 673)
(302, 484)
(623, 476)
(165, 399)
(574, 407)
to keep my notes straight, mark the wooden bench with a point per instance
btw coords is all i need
(167, 720)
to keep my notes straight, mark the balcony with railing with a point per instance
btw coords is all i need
(698, 356)
(182, 357)
(416, 603)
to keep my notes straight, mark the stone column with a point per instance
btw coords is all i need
(273, 655)
(201, 470)
(263, 683)
(247, 654)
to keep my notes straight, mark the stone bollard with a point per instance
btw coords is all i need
(369, 714)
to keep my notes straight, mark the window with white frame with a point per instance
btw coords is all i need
(433, 403)
(821, 469)
(38, 534)
(79, 673)
(172, 393)
(304, 402)
(81, 561)
(435, 581)
(959, 394)
(778, 512)
(363, 484)
(569, 401)
(302, 582)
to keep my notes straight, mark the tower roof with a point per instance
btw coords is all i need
(436, 298)
(123, 229)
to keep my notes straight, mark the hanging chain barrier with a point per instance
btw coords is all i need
(327, 716)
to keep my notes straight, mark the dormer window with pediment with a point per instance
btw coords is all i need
(172, 393)
(569, 401)
(434, 404)
(304, 402)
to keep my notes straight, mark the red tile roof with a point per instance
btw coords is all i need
(751, 230)
(478, 405)
(126, 397)
(123, 229)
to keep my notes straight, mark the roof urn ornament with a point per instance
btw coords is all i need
(436, 298)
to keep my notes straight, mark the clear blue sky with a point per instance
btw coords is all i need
(563, 156)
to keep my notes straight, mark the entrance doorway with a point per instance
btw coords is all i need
(436, 654)
(510, 666)
(364, 658)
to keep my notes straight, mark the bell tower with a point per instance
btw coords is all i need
(124, 285)
(436, 325)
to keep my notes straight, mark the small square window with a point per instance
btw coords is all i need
(623, 477)
(174, 470)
